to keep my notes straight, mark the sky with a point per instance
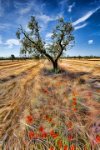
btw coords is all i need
(83, 14)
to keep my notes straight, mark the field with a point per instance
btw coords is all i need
(40, 110)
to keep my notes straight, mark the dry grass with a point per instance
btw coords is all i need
(41, 110)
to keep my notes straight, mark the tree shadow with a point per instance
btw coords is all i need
(64, 73)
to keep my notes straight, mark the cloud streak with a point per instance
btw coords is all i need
(80, 26)
(12, 42)
(70, 7)
(86, 16)
(48, 35)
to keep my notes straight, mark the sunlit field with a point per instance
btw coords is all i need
(40, 110)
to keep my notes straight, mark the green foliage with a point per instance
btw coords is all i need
(32, 42)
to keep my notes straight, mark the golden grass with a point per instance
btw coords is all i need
(27, 89)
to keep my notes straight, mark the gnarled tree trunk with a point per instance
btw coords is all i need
(55, 65)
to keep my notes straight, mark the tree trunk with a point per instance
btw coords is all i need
(55, 65)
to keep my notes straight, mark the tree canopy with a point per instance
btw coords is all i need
(61, 40)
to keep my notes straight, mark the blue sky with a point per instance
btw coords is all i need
(84, 15)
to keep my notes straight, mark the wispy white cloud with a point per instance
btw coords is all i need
(80, 26)
(86, 16)
(5, 25)
(45, 18)
(70, 7)
(25, 10)
(62, 5)
(90, 42)
(48, 35)
(12, 42)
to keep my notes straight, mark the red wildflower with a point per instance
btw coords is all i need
(53, 134)
(60, 143)
(70, 137)
(72, 147)
(41, 129)
(98, 139)
(74, 98)
(29, 119)
(65, 147)
(74, 109)
(44, 135)
(31, 134)
(51, 148)
(74, 103)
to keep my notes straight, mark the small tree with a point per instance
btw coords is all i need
(12, 57)
(62, 39)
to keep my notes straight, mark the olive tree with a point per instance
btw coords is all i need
(61, 40)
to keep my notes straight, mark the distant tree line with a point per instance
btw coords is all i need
(26, 57)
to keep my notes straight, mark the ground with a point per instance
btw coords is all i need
(42, 110)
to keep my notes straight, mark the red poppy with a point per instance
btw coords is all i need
(51, 148)
(74, 109)
(74, 103)
(29, 119)
(41, 129)
(31, 134)
(65, 147)
(98, 139)
(72, 147)
(60, 143)
(70, 137)
(44, 135)
(74, 98)
(53, 134)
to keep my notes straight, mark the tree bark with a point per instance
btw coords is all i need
(55, 65)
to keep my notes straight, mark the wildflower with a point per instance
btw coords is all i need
(60, 143)
(74, 98)
(70, 137)
(53, 134)
(51, 148)
(31, 134)
(74, 103)
(41, 129)
(97, 139)
(29, 119)
(72, 147)
(44, 135)
(65, 147)
(74, 109)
